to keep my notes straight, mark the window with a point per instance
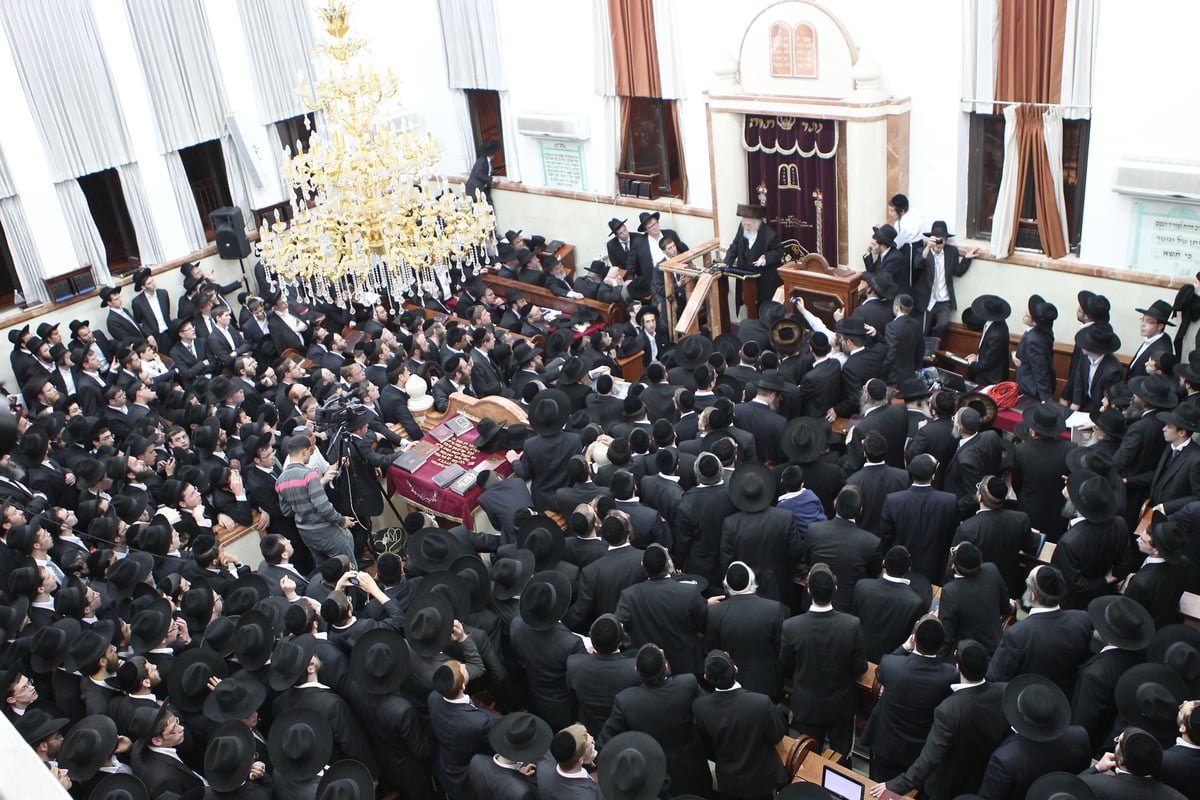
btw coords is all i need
(650, 143)
(484, 105)
(9, 285)
(106, 201)
(987, 166)
(204, 164)
(296, 129)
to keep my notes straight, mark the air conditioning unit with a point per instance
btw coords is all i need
(572, 127)
(1158, 179)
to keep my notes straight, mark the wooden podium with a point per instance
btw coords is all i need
(697, 270)
(825, 289)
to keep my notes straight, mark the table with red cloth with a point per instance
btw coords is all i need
(419, 489)
(1007, 420)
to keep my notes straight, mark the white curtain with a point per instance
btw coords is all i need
(606, 86)
(981, 38)
(671, 69)
(185, 200)
(508, 121)
(67, 84)
(1079, 49)
(149, 248)
(471, 44)
(24, 253)
(239, 187)
(175, 48)
(1052, 132)
(279, 40)
(466, 133)
(89, 247)
(1006, 198)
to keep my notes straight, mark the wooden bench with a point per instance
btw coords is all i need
(610, 313)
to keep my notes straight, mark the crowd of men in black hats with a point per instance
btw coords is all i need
(728, 570)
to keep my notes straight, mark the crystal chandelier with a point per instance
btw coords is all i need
(370, 216)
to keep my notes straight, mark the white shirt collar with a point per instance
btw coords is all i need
(887, 577)
(735, 687)
(954, 687)
(820, 609)
(1040, 610)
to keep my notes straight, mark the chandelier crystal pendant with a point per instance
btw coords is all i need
(370, 215)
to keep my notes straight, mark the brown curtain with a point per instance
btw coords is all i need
(672, 107)
(635, 51)
(1029, 70)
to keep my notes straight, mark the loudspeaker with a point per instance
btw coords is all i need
(229, 231)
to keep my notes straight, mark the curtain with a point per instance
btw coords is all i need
(1045, 134)
(139, 213)
(791, 163)
(634, 48)
(89, 247)
(67, 84)
(466, 131)
(185, 201)
(606, 88)
(981, 29)
(175, 48)
(1005, 217)
(508, 122)
(671, 67)
(1079, 46)
(24, 253)
(472, 46)
(239, 187)
(672, 108)
(1029, 64)
(280, 43)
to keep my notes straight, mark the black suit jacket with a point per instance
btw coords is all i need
(283, 336)
(955, 267)
(742, 257)
(1085, 554)
(1088, 396)
(936, 437)
(768, 541)
(766, 425)
(220, 350)
(878, 314)
(594, 680)
(1093, 706)
(189, 366)
(544, 655)
(1037, 477)
(1178, 770)
(1049, 643)
(544, 464)
(393, 407)
(1001, 535)
(825, 653)
(161, 773)
(699, 520)
(820, 388)
(750, 628)
(144, 315)
(1176, 479)
(1036, 376)
(1018, 762)
(601, 583)
(991, 366)
(670, 614)
(859, 368)
(913, 687)
(895, 263)
(123, 329)
(971, 608)
(877, 482)
(851, 552)
(980, 456)
(922, 519)
(1137, 365)
(1124, 786)
(887, 610)
(739, 729)
(905, 349)
(1158, 588)
(461, 731)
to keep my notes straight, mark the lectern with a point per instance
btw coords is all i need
(825, 289)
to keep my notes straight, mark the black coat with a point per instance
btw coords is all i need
(161, 773)
(144, 315)
(544, 464)
(922, 519)
(820, 388)
(887, 610)
(935, 437)
(594, 680)
(1086, 553)
(890, 421)
(913, 686)
(859, 368)
(1124, 786)
(1001, 535)
(851, 552)
(1037, 477)
(1088, 396)
(461, 731)
(1179, 768)
(1093, 706)
(1018, 762)
(1176, 479)
(350, 739)
(1137, 363)
(877, 313)
(739, 729)
(1158, 588)
(742, 257)
(699, 520)
(402, 742)
(1049, 643)
(489, 779)
(1137, 459)
(876, 482)
(971, 608)
(568, 497)
(768, 541)
(980, 456)
(663, 495)
(967, 727)
(750, 629)
(991, 366)
(895, 263)
(905, 349)
(1036, 377)
(393, 408)
(601, 583)
(544, 655)
(766, 425)
(824, 652)
(925, 271)
(670, 614)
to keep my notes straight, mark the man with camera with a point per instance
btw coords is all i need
(301, 492)
(359, 494)
(933, 279)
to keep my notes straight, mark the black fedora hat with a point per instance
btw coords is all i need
(939, 230)
(1060, 786)
(1188, 370)
(1110, 422)
(15, 334)
(88, 746)
(991, 307)
(523, 353)
(289, 661)
(253, 640)
(549, 411)
(197, 605)
(1160, 310)
(228, 757)
(249, 589)
(119, 786)
(1096, 306)
(235, 698)
(379, 661)
(1042, 312)
(541, 536)
(693, 351)
(486, 432)
(430, 624)
(1178, 646)
(13, 616)
(300, 743)
(1089, 459)
(433, 550)
(645, 217)
(752, 487)
(545, 599)
(632, 766)
(851, 326)
(106, 294)
(598, 267)
(804, 439)
(511, 573)
(573, 371)
(615, 225)
(1148, 696)
(89, 646)
(1098, 339)
(1121, 621)
(475, 577)
(1184, 415)
(346, 780)
(450, 586)
(187, 680)
(752, 211)
(127, 573)
(520, 736)
(1156, 391)
(884, 234)
(772, 381)
(48, 646)
(629, 345)
(1036, 708)
(882, 284)
(1044, 419)
(913, 389)
(1092, 496)
(36, 724)
(219, 635)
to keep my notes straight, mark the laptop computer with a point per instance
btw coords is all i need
(840, 786)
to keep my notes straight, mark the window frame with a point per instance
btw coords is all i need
(110, 214)
(670, 144)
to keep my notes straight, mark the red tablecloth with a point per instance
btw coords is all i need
(1008, 419)
(419, 486)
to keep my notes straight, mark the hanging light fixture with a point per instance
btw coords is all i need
(370, 215)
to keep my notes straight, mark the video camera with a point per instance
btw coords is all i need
(336, 412)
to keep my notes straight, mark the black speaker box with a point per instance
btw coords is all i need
(229, 231)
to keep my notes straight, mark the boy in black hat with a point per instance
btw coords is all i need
(1152, 327)
(933, 280)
